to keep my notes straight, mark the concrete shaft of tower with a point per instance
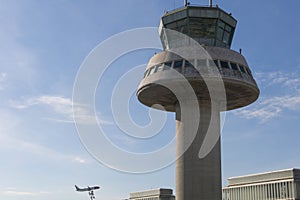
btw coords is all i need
(165, 83)
(198, 178)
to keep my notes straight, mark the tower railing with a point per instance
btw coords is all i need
(195, 5)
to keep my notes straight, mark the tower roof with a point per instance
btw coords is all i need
(211, 26)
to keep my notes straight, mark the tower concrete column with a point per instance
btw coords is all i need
(213, 29)
(198, 179)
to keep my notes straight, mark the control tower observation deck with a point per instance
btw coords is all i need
(198, 178)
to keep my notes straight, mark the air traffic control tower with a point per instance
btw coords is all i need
(198, 178)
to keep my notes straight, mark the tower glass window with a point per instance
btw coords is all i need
(160, 67)
(146, 73)
(234, 66)
(152, 70)
(224, 64)
(190, 68)
(168, 65)
(242, 68)
(178, 65)
(213, 63)
(249, 71)
(189, 63)
(224, 34)
(180, 26)
(204, 28)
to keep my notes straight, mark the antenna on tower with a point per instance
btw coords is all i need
(210, 3)
(185, 2)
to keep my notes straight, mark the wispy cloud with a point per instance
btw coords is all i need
(62, 106)
(279, 78)
(273, 106)
(59, 104)
(39, 150)
(15, 192)
(11, 130)
(80, 160)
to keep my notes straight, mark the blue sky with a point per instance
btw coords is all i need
(43, 44)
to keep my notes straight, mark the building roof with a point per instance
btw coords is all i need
(153, 192)
(265, 177)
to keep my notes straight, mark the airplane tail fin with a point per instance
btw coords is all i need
(77, 188)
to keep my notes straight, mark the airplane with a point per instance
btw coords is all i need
(86, 189)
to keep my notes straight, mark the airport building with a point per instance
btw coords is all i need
(155, 194)
(283, 184)
(275, 185)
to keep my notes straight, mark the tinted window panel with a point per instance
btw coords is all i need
(200, 27)
(249, 71)
(189, 63)
(226, 37)
(224, 64)
(146, 73)
(152, 70)
(220, 34)
(234, 66)
(178, 64)
(160, 67)
(228, 28)
(178, 26)
(221, 24)
(213, 63)
(168, 65)
(242, 68)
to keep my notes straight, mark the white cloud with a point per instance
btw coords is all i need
(279, 78)
(270, 108)
(23, 146)
(291, 102)
(10, 139)
(58, 103)
(80, 160)
(63, 107)
(273, 106)
(15, 192)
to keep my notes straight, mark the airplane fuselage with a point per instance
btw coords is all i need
(87, 189)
